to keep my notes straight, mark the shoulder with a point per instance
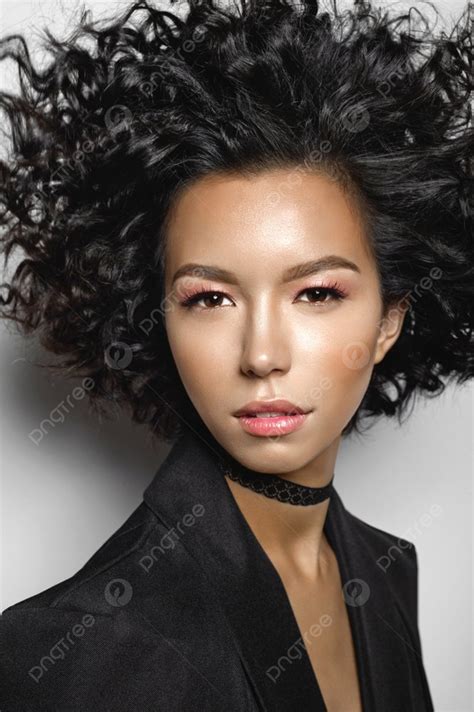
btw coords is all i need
(140, 603)
(46, 631)
(39, 631)
(136, 605)
(395, 557)
(386, 546)
(121, 545)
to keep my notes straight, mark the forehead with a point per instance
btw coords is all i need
(265, 221)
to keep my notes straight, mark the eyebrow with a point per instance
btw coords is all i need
(304, 269)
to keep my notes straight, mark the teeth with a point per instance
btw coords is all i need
(267, 415)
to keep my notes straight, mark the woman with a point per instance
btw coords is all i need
(250, 226)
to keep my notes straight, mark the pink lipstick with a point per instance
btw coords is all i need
(265, 418)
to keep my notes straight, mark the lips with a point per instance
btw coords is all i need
(273, 426)
(275, 407)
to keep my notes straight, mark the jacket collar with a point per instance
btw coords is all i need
(253, 597)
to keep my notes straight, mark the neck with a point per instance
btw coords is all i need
(292, 535)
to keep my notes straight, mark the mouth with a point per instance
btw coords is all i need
(268, 415)
(272, 424)
(269, 409)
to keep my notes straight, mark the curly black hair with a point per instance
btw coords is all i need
(125, 114)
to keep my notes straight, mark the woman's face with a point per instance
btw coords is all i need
(265, 332)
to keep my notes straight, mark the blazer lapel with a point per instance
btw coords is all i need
(255, 602)
(388, 659)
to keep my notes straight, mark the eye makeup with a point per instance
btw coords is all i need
(331, 289)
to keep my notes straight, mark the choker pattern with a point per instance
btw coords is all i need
(274, 486)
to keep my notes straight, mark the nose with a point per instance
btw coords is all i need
(266, 346)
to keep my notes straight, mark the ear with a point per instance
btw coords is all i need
(390, 328)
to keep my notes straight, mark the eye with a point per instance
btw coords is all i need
(320, 294)
(212, 297)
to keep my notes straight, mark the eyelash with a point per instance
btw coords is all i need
(334, 289)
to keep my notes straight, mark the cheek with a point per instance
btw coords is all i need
(200, 361)
(338, 360)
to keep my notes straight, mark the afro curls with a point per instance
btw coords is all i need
(125, 113)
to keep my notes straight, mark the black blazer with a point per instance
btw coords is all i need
(181, 610)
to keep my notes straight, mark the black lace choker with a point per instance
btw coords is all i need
(273, 486)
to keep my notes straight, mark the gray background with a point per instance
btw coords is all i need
(63, 498)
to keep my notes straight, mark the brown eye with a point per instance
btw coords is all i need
(320, 294)
(213, 299)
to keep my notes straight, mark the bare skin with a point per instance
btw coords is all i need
(315, 596)
(332, 653)
(262, 336)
